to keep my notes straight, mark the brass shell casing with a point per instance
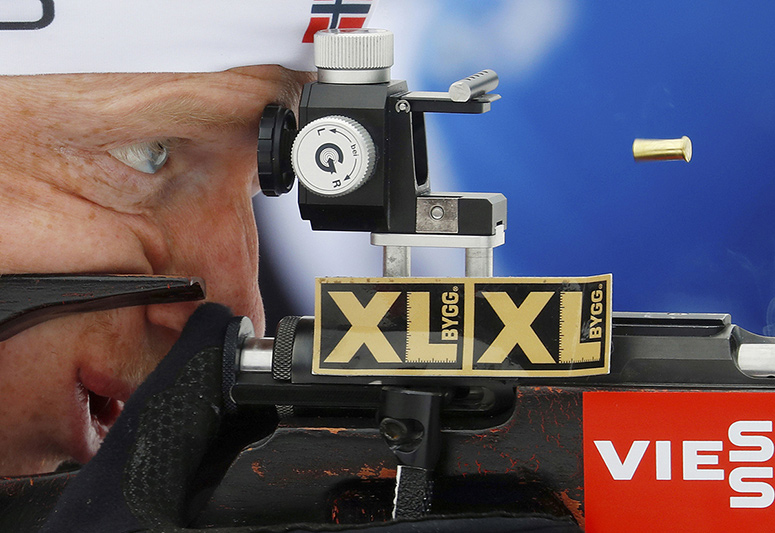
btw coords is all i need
(662, 149)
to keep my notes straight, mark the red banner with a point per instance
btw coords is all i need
(679, 461)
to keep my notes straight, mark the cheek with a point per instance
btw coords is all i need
(46, 231)
(221, 245)
(212, 234)
(117, 344)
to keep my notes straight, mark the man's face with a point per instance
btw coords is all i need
(68, 206)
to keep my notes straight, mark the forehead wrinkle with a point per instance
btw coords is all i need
(186, 112)
(115, 109)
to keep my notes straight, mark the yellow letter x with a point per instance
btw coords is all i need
(517, 327)
(364, 330)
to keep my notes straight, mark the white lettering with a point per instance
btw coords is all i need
(766, 495)
(765, 448)
(749, 484)
(664, 465)
(622, 470)
(693, 460)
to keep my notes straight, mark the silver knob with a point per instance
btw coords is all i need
(333, 155)
(354, 56)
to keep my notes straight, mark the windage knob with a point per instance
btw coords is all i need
(354, 56)
(333, 155)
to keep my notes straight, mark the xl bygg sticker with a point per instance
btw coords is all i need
(504, 327)
(679, 461)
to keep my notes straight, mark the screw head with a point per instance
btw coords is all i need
(437, 212)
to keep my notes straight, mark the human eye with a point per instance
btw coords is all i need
(146, 156)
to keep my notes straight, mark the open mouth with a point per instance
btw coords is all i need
(100, 400)
(103, 411)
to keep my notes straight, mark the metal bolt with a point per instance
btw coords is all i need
(402, 106)
(401, 432)
(395, 431)
(437, 212)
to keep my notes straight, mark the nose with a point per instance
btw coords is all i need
(213, 235)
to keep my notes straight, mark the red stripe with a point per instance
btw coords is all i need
(351, 22)
(315, 24)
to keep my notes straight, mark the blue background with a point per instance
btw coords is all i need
(676, 236)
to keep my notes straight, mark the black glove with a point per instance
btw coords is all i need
(142, 476)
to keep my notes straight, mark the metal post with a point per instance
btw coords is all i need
(479, 262)
(396, 261)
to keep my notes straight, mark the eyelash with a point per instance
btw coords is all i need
(147, 157)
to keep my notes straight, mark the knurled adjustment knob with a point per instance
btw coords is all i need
(282, 352)
(354, 56)
(333, 156)
(276, 131)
